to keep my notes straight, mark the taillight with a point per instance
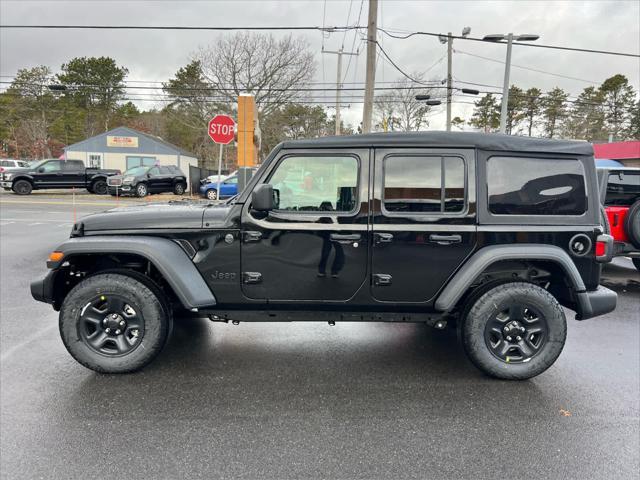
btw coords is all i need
(604, 248)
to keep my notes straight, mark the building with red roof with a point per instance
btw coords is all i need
(627, 153)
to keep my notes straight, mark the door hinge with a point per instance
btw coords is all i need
(381, 279)
(251, 277)
(251, 236)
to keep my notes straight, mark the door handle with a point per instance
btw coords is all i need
(382, 279)
(383, 238)
(445, 239)
(345, 238)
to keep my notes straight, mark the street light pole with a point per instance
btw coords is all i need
(510, 37)
(505, 86)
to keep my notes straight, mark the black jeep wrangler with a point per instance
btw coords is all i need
(492, 233)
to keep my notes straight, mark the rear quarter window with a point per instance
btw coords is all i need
(536, 186)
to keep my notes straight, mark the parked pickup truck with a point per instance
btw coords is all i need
(54, 173)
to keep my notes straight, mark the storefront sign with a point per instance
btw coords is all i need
(116, 141)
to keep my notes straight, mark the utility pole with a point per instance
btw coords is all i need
(449, 79)
(372, 30)
(339, 82)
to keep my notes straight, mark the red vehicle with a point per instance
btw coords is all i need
(620, 197)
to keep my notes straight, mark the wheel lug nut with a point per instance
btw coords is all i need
(115, 315)
(108, 330)
(518, 338)
(104, 321)
(118, 332)
(122, 323)
(509, 338)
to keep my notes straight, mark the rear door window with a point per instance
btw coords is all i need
(536, 186)
(623, 189)
(423, 184)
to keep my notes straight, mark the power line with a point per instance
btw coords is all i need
(527, 68)
(308, 28)
(535, 45)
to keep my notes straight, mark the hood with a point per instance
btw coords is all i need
(173, 215)
(15, 170)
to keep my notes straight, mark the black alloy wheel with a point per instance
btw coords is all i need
(100, 187)
(111, 325)
(516, 334)
(514, 330)
(22, 187)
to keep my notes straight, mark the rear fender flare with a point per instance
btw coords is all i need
(484, 257)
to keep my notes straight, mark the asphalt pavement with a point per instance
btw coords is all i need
(303, 400)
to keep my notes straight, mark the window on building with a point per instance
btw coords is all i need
(415, 184)
(140, 162)
(536, 186)
(95, 160)
(307, 184)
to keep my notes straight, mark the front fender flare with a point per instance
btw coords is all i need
(484, 257)
(169, 258)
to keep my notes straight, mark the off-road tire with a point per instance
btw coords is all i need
(157, 322)
(490, 304)
(632, 224)
(179, 188)
(99, 187)
(142, 190)
(22, 187)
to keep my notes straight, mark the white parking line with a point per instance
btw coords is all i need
(2, 224)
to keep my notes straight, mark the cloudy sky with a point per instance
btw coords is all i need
(156, 55)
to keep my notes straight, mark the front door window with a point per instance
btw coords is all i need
(313, 184)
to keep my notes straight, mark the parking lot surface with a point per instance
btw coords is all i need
(303, 400)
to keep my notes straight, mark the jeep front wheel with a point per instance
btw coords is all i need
(113, 323)
(514, 331)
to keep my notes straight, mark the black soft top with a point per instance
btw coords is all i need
(482, 141)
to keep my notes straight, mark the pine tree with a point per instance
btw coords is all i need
(586, 117)
(531, 108)
(554, 111)
(619, 99)
(486, 115)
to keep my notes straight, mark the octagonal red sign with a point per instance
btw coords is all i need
(222, 129)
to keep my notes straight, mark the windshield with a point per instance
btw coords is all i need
(135, 171)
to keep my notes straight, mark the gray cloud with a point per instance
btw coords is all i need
(156, 55)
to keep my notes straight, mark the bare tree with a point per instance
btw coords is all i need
(271, 69)
(399, 110)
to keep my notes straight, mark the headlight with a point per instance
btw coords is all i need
(128, 179)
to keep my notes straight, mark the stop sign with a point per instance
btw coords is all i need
(222, 129)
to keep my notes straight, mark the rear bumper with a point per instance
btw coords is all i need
(596, 302)
(42, 289)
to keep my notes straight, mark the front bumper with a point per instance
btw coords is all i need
(596, 302)
(120, 190)
(42, 289)
(6, 184)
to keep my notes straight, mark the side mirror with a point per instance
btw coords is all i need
(262, 198)
(148, 175)
(41, 170)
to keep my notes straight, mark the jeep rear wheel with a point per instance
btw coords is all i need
(113, 323)
(22, 187)
(514, 331)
